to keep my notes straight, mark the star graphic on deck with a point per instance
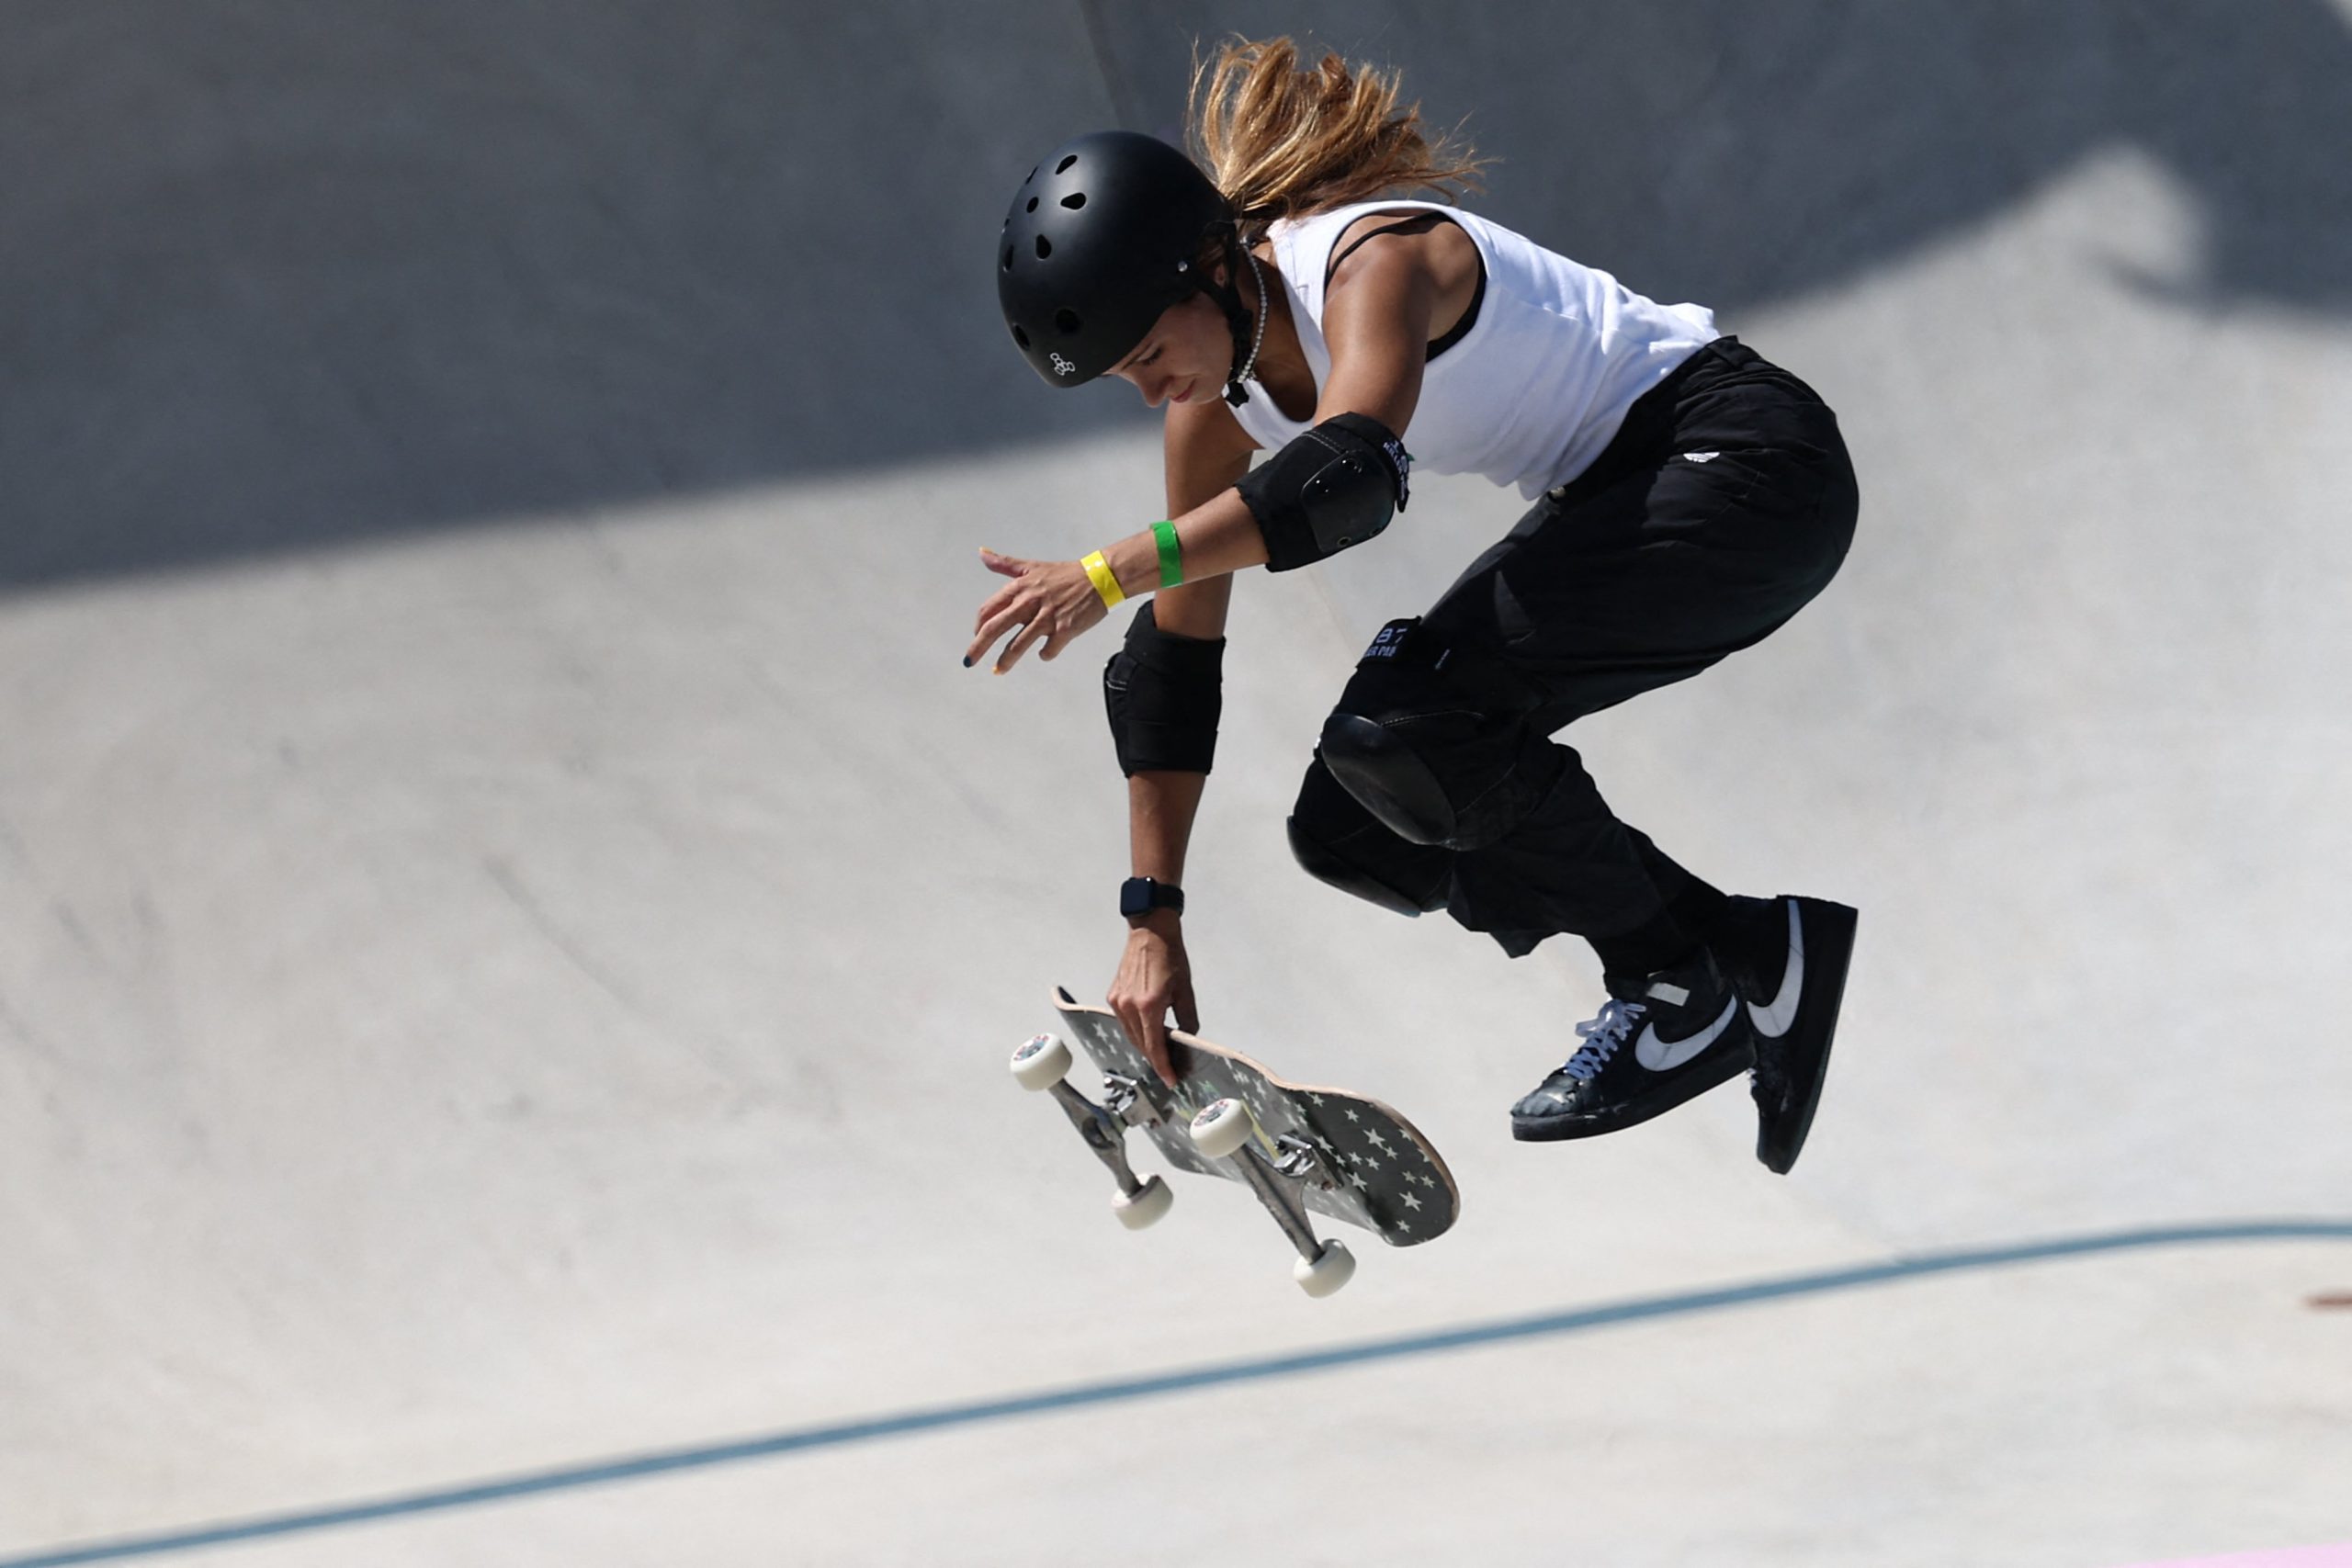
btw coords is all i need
(1377, 1141)
(1356, 1182)
(1412, 1202)
(1353, 1117)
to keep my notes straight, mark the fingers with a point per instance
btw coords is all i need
(982, 641)
(1008, 608)
(1026, 620)
(1049, 602)
(1146, 1020)
(1188, 1012)
(1017, 611)
(1065, 631)
(1001, 611)
(994, 604)
(1020, 644)
(1025, 614)
(1147, 1032)
(1065, 624)
(1004, 566)
(1155, 1051)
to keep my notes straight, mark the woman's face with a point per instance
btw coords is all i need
(1186, 355)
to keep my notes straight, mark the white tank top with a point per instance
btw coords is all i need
(1559, 353)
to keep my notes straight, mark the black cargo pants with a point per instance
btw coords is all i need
(1725, 503)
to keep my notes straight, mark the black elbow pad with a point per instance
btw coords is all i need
(1164, 694)
(1335, 486)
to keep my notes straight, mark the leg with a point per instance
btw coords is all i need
(1725, 505)
(1338, 842)
(1435, 776)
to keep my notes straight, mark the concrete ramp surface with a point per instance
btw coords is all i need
(512, 917)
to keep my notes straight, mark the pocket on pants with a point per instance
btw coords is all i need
(1768, 483)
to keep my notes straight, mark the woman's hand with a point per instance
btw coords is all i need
(1054, 600)
(1155, 974)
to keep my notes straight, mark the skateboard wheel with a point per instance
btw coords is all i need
(1144, 1205)
(1041, 1062)
(1222, 1127)
(1327, 1271)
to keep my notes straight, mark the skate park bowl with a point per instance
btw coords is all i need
(513, 915)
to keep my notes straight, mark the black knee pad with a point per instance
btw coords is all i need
(1437, 754)
(1336, 840)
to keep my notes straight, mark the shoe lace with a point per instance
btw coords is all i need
(1601, 1037)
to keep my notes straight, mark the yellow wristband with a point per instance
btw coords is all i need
(1106, 582)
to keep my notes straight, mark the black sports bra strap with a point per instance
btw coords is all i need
(1424, 221)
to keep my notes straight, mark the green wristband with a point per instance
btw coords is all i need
(1172, 561)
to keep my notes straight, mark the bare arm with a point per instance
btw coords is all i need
(1381, 304)
(1207, 452)
(1378, 318)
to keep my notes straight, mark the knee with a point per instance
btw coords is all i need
(1430, 766)
(1338, 842)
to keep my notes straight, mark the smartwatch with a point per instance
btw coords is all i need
(1141, 895)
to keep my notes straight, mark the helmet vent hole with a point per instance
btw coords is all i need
(1067, 320)
(1045, 247)
(1008, 258)
(1020, 337)
(1075, 201)
(1032, 207)
(1063, 167)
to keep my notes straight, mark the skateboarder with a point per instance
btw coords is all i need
(1689, 497)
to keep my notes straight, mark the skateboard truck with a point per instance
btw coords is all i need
(1302, 1161)
(1042, 1063)
(1224, 1131)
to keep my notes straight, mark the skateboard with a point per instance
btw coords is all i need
(1297, 1146)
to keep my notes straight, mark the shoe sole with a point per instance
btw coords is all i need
(1679, 1091)
(1828, 953)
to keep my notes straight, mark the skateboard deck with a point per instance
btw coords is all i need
(1390, 1181)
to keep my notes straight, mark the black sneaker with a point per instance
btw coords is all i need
(1789, 965)
(1658, 1042)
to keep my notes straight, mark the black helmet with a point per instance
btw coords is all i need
(1104, 236)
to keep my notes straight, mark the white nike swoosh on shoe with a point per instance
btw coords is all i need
(1665, 1055)
(1774, 1022)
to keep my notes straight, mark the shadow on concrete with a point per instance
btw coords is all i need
(274, 278)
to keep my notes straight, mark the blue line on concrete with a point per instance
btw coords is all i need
(1256, 1369)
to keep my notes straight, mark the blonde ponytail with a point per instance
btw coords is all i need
(1283, 141)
